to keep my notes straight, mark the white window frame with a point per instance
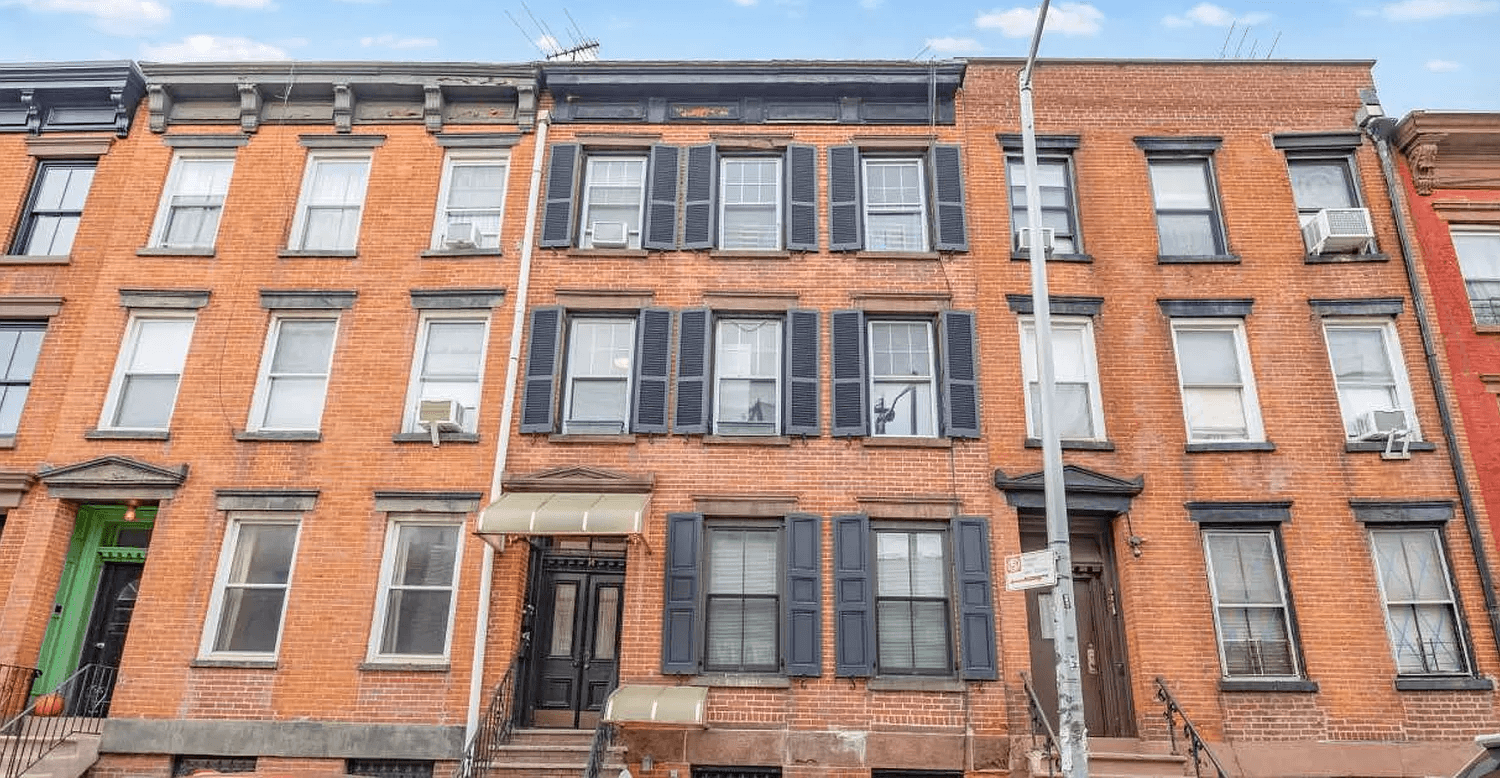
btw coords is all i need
(721, 427)
(778, 568)
(1449, 603)
(572, 375)
(1458, 231)
(1393, 355)
(775, 204)
(315, 160)
(211, 625)
(586, 227)
(18, 332)
(414, 393)
(260, 403)
(1030, 372)
(470, 158)
(919, 164)
(1293, 649)
(930, 409)
(171, 192)
(1249, 400)
(123, 371)
(950, 625)
(388, 571)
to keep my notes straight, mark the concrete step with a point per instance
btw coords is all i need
(551, 737)
(70, 759)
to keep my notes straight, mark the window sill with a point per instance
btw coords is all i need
(1230, 445)
(1082, 258)
(905, 442)
(564, 437)
(1344, 259)
(291, 436)
(443, 437)
(7, 441)
(1378, 446)
(1076, 445)
(1487, 329)
(462, 254)
(608, 253)
(746, 440)
(206, 252)
(404, 667)
(741, 680)
(1266, 685)
(920, 255)
(888, 684)
(1192, 259)
(98, 434)
(317, 253)
(749, 254)
(1440, 684)
(239, 664)
(34, 259)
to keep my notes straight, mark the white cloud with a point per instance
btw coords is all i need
(211, 48)
(1064, 19)
(744, 2)
(1211, 15)
(262, 5)
(870, 5)
(122, 17)
(1443, 65)
(1437, 9)
(953, 45)
(390, 41)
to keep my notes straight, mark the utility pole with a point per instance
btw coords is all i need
(1073, 735)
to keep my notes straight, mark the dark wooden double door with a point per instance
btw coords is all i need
(578, 603)
(104, 641)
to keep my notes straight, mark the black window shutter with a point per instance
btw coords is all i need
(698, 198)
(960, 380)
(694, 342)
(853, 597)
(557, 214)
(948, 199)
(653, 346)
(976, 605)
(801, 369)
(680, 618)
(539, 403)
(801, 198)
(843, 199)
(849, 417)
(661, 200)
(803, 653)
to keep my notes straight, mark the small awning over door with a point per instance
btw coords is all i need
(682, 705)
(564, 513)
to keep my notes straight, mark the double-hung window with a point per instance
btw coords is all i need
(608, 370)
(193, 201)
(903, 376)
(1218, 389)
(1421, 610)
(20, 345)
(54, 207)
(471, 201)
(419, 577)
(294, 372)
(1374, 396)
(750, 203)
(448, 367)
(614, 202)
(1078, 409)
(250, 590)
(1183, 190)
(895, 212)
(1479, 258)
(597, 395)
(332, 202)
(896, 201)
(913, 633)
(747, 374)
(1251, 607)
(1057, 199)
(1325, 188)
(143, 390)
(742, 612)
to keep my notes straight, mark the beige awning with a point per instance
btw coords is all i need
(657, 705)
(564, 513)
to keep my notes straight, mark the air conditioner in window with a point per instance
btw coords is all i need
(1023, 239)
(608, 234)
(1378, 425)
(1335, 230)
(440, 416)
(461, 236)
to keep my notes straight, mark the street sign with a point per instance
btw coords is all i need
(1031, 570)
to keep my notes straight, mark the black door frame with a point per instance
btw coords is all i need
(546, 560)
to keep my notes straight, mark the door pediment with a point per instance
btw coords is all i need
(579, 478)
(1088, 491)
(113, 479)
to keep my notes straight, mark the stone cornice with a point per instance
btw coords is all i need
(1451, 149)
(70, 96)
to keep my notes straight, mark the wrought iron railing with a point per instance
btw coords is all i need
(1198, 750)
(494, 730)
(1041, 729)
(78, 705)
(604, 739)
(15, 690)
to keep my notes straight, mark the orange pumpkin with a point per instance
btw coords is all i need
(48, 705)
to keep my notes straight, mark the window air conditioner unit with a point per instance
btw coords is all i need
(461, 236)
(1023, 239)
(1373, 425)
(1334, 230)
(609, 234)
(440, 416)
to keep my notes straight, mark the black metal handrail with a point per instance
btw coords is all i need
(78, 705)
(15, 691)
(604, 739)
(1198, 750)
(1040, 725)
(495, 729)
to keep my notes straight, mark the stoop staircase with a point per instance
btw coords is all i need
(1114, 757)
(549, 753)
(69, 758)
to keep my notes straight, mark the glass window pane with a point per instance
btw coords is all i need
(161, 345)
(145, 401)
(1180, 185)
(606, 622)
(416, 622)
(1478, 254)
(12, 399)
(19, 349)
(1186, 234)
(453, 348)
(294, 403)
(1321, 184)
(598, 400)
(250, 621)
(1245, 569)
(1359, 355)
(477, 186)
(564, 607)
(1208, 357)
(1215, 413)
(895, 232)
(263, 554)
(303, 346)
(339, 182)
(425, 555)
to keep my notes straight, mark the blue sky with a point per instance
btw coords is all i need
(1430, 53)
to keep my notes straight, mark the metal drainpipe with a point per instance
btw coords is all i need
(507, 412)
(1380, 129)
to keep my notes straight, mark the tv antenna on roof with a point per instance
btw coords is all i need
(578, 47)
(1244, 31)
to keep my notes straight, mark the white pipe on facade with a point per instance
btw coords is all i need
(507, 412)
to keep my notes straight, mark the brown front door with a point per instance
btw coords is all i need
(1105, 673)
(576, 656)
